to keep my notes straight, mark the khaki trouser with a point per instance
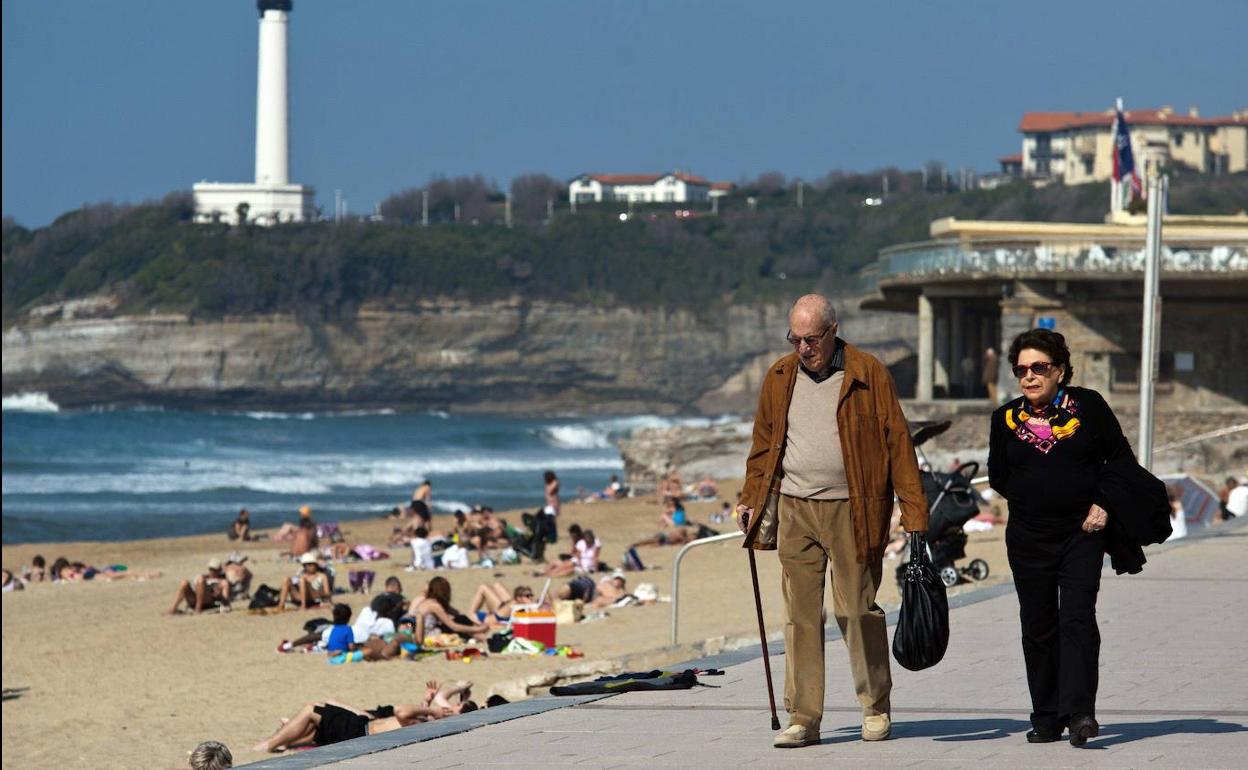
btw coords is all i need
(812, 532)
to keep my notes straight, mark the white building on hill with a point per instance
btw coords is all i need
(271, 198)
(674, 187)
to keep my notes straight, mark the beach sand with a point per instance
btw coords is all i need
(112, 682)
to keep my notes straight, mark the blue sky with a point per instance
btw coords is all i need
(127, 101)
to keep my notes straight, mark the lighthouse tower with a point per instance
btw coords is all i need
(271, 198)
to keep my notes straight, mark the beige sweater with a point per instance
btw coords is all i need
(813, 465)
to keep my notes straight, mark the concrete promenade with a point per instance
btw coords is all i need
(1173, 693)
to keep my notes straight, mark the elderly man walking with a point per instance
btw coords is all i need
(830, 448)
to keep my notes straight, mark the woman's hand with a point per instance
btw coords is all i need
(1097, 516)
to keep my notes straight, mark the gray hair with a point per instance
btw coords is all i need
(211, 755)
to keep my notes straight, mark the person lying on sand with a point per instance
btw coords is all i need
(329, 722)
(434, 614)
(492, 605)
(11, 582)
(37, 571)
(611, 589)
(209, 590)
(309, 588)
(677, 536)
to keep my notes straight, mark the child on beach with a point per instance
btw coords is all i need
(422, 550)
(340, 637)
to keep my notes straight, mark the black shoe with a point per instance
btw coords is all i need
(1043, 736)
(1081, 729)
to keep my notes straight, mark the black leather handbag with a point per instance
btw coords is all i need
(922, 633)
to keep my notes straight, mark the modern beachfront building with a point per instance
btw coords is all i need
(1076, 147)
(672, 187)
(976, 285)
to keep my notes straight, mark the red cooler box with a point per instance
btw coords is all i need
(537, 626)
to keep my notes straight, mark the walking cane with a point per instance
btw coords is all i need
(762, 637)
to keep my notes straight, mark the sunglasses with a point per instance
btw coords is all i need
(1039, 368)
(810, 341)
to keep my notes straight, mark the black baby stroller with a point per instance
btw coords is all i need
(952, 502)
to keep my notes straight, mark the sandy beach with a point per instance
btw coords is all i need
(108, 681)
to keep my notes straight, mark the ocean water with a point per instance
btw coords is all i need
(119, 474)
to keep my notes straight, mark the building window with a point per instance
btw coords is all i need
(1124, 372)
(1178, 138)
(1088, 163)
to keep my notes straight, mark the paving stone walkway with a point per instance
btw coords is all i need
(1174, 693)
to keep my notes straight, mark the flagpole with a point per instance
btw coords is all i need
(1151, 322)
(1115, 184)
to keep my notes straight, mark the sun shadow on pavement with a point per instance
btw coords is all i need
(944, 730)
(1113, 734)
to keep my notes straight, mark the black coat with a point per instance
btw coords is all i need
(1139, 511)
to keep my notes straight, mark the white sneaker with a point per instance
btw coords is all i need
(796, 736)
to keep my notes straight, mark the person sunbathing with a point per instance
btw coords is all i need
(329, 722)
(611, 589)
(237, 576)
(434, 614)
(209, 590)
(304, 539)
(11, 582)
(678, 536)
(491, 604)
(37, 571)
(309, 588)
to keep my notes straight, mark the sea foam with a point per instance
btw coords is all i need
(30, 402)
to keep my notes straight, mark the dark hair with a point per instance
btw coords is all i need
(422, 532)
(468, 707)
(306, 523)
(1229, 481)
(58, 565)
(576, 532)
(495, 700)
(1048, 342)
(37, 561)
(549, 476)
(342, 614)
(588, 536)
(440, 591)
(460, 517)
(395, 581)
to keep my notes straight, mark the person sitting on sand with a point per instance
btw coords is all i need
(402, 641)
(492, 603)
(329, 722)
(707, 488)
(434, 614)
(211, 755)
(11, 582)
(586, 553)
(238, 576)
(304, 539)
(674, 513)
(288, 530)
(209, 590)
(310, 588)
(240, 528)
(37, 571)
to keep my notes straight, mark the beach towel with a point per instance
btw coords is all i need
(632, 682)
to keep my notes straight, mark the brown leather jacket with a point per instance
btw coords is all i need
(875, 440)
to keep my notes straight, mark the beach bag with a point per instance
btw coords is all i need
(264, 597)
(499, 640)
(922, 633)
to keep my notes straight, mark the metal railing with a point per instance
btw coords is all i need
(676, 571)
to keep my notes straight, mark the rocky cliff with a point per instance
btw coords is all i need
(514, 356)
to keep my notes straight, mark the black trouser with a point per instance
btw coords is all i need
(1057, 577)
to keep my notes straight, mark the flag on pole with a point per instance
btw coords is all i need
(1124, 161)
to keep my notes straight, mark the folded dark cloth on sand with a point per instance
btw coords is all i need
(632, 682)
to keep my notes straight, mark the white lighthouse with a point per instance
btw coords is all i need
(271, 198)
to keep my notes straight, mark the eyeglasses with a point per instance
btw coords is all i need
(810, 341)
(1039, 368)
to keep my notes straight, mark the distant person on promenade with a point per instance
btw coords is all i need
(992, 365)
(1178, 516)
(1236, 500)
(832, 445)
(211, 755)
(209, 590)
(1058, 456)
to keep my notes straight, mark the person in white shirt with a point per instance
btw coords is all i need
(1237, 501)
(1178, 516)
(422, 549)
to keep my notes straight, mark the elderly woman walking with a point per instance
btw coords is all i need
(1047, 450)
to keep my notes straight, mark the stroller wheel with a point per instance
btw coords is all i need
(949, 576)
(978, 569)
